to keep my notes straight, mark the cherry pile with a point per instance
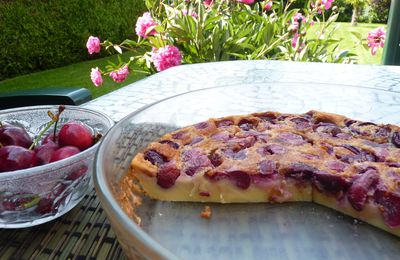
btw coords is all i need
(19, 151)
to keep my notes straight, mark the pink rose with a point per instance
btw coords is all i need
(268, 6)
(143, 24)
(323, 5)
(296, 21)
(208, 2)
(95, 76)
(193, 13)
(327, 4)
(93, 45)
(247, 2)
(120, 75)
(294, 42)
(376, 39)
(166, 57)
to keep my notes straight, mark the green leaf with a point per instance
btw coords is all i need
(357, 35)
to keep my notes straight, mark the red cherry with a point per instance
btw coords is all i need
(49, 204)
(13, 135)
(14, 158)
(19, 201)
(64, 152)
(45, 152)
(75, 134)
(45, 206)
(50, 139)
(78, 173)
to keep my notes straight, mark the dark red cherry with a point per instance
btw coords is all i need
(267, 167)
(246, 125)
(396, 139)
(50, 138)
(45, 206)
(52, 200)
(194, 160)
(390, 202)
(240, 179)
(154, 157)
(170, 143)
(45, 152)
(357, 193)
(13, 135)
(275, 149)
(64, 152)
(78, 173)
(330, 182)
(300, 171)
(16, 158)
(215, 159)
(202, 125)
(167, 175)
(224, 123)
(75, 134)
(292, 139)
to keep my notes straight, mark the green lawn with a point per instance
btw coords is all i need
(78, 74)
(72, 75)
(350, 42)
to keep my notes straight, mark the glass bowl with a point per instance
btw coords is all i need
(171, 230)
(39, 194)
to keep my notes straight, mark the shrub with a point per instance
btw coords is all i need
(44, 34)
(196, 31)
(379, 11)
(344, 8)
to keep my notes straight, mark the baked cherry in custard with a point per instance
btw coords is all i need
(348, 165)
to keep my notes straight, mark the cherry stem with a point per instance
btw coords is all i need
(55, 127)
(41, 134)
(61, 108)
(35, 200)
(97, 137)
(54, 120)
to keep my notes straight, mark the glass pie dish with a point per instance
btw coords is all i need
(170, 230)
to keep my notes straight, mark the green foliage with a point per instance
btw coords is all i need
(377, 11)
(357, 2)
(374, 11)
(43, 34)
(228, 30)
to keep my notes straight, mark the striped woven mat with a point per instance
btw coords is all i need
(82, 233)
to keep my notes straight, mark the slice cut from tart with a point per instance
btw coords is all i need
(348, 165)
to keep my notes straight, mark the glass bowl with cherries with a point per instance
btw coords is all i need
(46, 161)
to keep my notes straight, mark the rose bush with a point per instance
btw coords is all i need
(178, 32)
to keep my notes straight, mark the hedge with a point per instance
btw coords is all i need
(38, 35)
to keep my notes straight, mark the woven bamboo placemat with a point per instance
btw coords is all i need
(82, 233)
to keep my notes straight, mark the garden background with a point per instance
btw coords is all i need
(44, 41)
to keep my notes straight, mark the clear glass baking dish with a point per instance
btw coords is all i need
(170, 230)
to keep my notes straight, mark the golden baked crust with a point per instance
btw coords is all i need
(277, 157)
